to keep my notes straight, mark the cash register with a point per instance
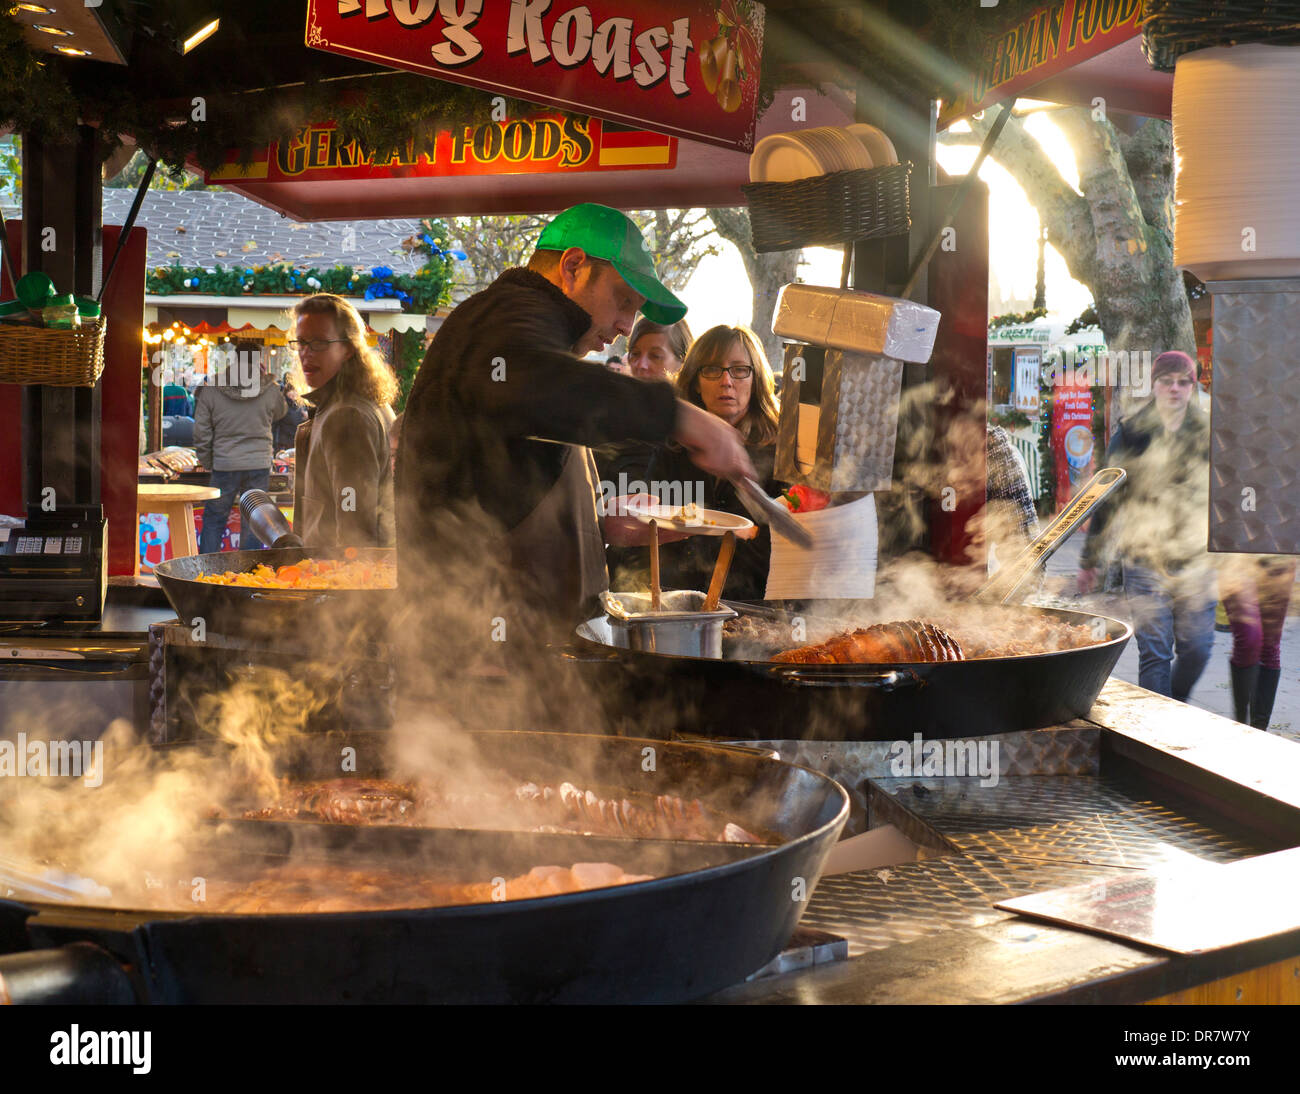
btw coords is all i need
(54, 567)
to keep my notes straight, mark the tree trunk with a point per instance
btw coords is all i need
(767, 274)
(1117, 237)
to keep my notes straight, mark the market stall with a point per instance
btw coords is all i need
(1000, 800)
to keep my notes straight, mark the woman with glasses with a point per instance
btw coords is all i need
(725, 372)
(656, 351)
(343, 486)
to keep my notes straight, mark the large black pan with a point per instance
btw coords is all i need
(269, 613)
(732, 699)
(720, 913)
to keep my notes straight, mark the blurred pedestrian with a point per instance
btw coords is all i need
(1155, 524)
(233, 426)
(1256, 592)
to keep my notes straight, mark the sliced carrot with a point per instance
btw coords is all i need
(350, 552)
(289, 573)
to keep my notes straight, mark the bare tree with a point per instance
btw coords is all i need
(1117, 237)
(493, 245)
(679, 239)
(767, 274)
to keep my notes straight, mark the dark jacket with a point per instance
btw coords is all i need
(285, 429)
(500, 380)
(1159, 517)
(343, 445)
(688, 563)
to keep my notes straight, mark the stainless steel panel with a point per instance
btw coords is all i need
(1255, 419)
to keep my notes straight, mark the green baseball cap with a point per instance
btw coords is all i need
(606, 233)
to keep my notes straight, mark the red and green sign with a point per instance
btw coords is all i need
(1047, 42)
(537, 145)
(685, 67)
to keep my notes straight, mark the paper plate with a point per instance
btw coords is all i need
(782, 158)
(710, 522)
(879, 147)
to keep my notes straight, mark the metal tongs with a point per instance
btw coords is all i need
(1007, 585)
(766, 511)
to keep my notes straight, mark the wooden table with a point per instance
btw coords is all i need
(177, 502)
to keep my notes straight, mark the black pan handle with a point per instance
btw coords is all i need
(806, 676)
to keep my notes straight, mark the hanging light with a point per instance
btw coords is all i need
(35, 9)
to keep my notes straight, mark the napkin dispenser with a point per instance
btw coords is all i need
(859, 321)
(842, 381)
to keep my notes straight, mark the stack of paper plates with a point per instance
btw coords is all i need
(1237, 156)
(786, 157)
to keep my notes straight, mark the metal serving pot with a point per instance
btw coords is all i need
(680, 627)
(735, 699)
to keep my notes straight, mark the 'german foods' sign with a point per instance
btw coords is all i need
(533, 146)
(686, 67)
(1042, 44)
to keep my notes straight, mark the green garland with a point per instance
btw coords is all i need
(1013, 319)
(408, 355)
(426, 289)
(1085, 320)
(419, 293)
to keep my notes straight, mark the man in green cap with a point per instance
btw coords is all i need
(495, 481)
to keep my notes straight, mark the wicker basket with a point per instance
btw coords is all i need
(828, 209)
(52, 357)
(1175, 27)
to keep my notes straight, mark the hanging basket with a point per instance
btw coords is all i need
(829, 209)
(1174, 27)
(52, 357)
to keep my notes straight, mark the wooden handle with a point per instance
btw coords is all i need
(654, 566)
(725, 554)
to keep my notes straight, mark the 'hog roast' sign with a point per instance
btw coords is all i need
(686, 67)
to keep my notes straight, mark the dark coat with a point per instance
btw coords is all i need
(500, 380)
(344, 444)
(1159, 517)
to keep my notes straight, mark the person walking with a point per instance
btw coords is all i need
(1156, 526)
(234, 418)
(1256, 592)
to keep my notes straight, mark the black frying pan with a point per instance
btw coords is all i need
(269, 613)
(741, 699)
(719, 914)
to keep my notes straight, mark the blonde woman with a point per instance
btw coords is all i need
(725, 372)
(343, 486)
